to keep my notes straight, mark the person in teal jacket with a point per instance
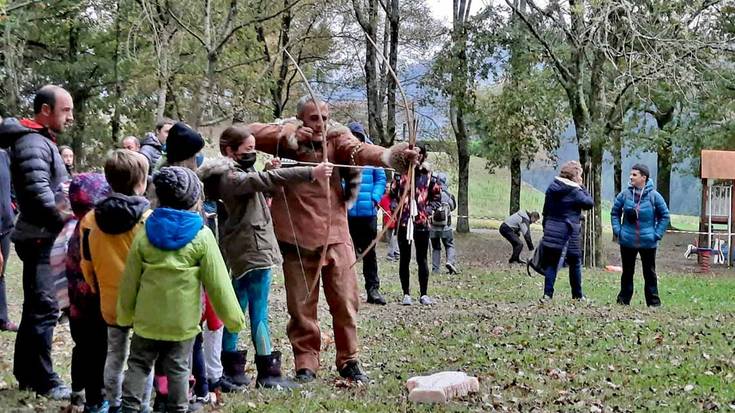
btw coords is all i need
(160, 293)
(640, 218)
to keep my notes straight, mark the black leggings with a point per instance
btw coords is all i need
(421, 242)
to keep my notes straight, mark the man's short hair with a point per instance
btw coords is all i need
(305, 100)
(125, 169)
(163, 122)
(131, 137)
(45, 96)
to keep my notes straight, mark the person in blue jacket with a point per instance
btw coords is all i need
(363, 220)
(639, 220)
(566, 197)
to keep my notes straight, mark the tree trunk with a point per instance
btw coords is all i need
(390, 135)
(515, 185)
(595, 232)
(463, 157)
(617, 155)
(663, 162)
(205, 90)
(12, 75)
(115, 121)
(375, 104)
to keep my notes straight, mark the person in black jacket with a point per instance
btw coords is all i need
(7, 218)
(37, 172)
(153, 146)
(565, 200)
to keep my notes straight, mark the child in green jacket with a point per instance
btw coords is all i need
(161, 289)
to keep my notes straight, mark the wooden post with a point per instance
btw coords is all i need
(703, 216)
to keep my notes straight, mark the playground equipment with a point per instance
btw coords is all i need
(718, 176)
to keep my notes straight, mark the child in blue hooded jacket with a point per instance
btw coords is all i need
(639, 220)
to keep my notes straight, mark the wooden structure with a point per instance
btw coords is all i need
(718, 204)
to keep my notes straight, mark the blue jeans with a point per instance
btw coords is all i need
(252, 291)
(551, 265)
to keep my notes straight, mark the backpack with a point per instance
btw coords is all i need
(440, 216)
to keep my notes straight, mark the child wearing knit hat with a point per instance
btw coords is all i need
(160, 293)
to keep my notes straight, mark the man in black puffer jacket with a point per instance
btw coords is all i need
(37, 172)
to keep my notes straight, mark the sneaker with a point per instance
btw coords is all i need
(8, 326)
(102, 407)
(194, 406)
(352, 371)
(198, 403)
(452, 268)
(545, 299)
(407, 300)
(426, 300)
(58, 392)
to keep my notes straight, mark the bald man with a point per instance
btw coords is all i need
(37, 172)
(131, 143)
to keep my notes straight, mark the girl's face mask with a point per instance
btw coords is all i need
(247, 160)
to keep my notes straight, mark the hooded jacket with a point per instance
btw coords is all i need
(247, 239)
(161, 289)
(372, 188)
(7, 215)
(37, 172)
(644, 217)
(152, 149)
(107, 233)
(85, 191)
(563, 207)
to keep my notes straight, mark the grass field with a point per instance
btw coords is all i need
(563, 356)
(488, 322)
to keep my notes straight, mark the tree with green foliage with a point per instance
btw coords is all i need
(601, 52)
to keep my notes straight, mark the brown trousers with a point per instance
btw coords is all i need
(340, 289)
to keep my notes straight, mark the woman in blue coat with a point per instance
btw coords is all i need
(565, 200)
(639, 220)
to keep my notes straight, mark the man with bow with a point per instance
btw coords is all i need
(310, 222)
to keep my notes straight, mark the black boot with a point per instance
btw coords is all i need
(233, 363)
(305, 376)
(352, 371)
(374, 296)
(269, 373)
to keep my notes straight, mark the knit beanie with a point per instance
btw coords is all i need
(183, 142)
(85, 191)
(177, 187)
(358, 131)
(643, 169)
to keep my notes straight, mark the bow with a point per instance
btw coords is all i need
(325, 158)
(409, 188)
